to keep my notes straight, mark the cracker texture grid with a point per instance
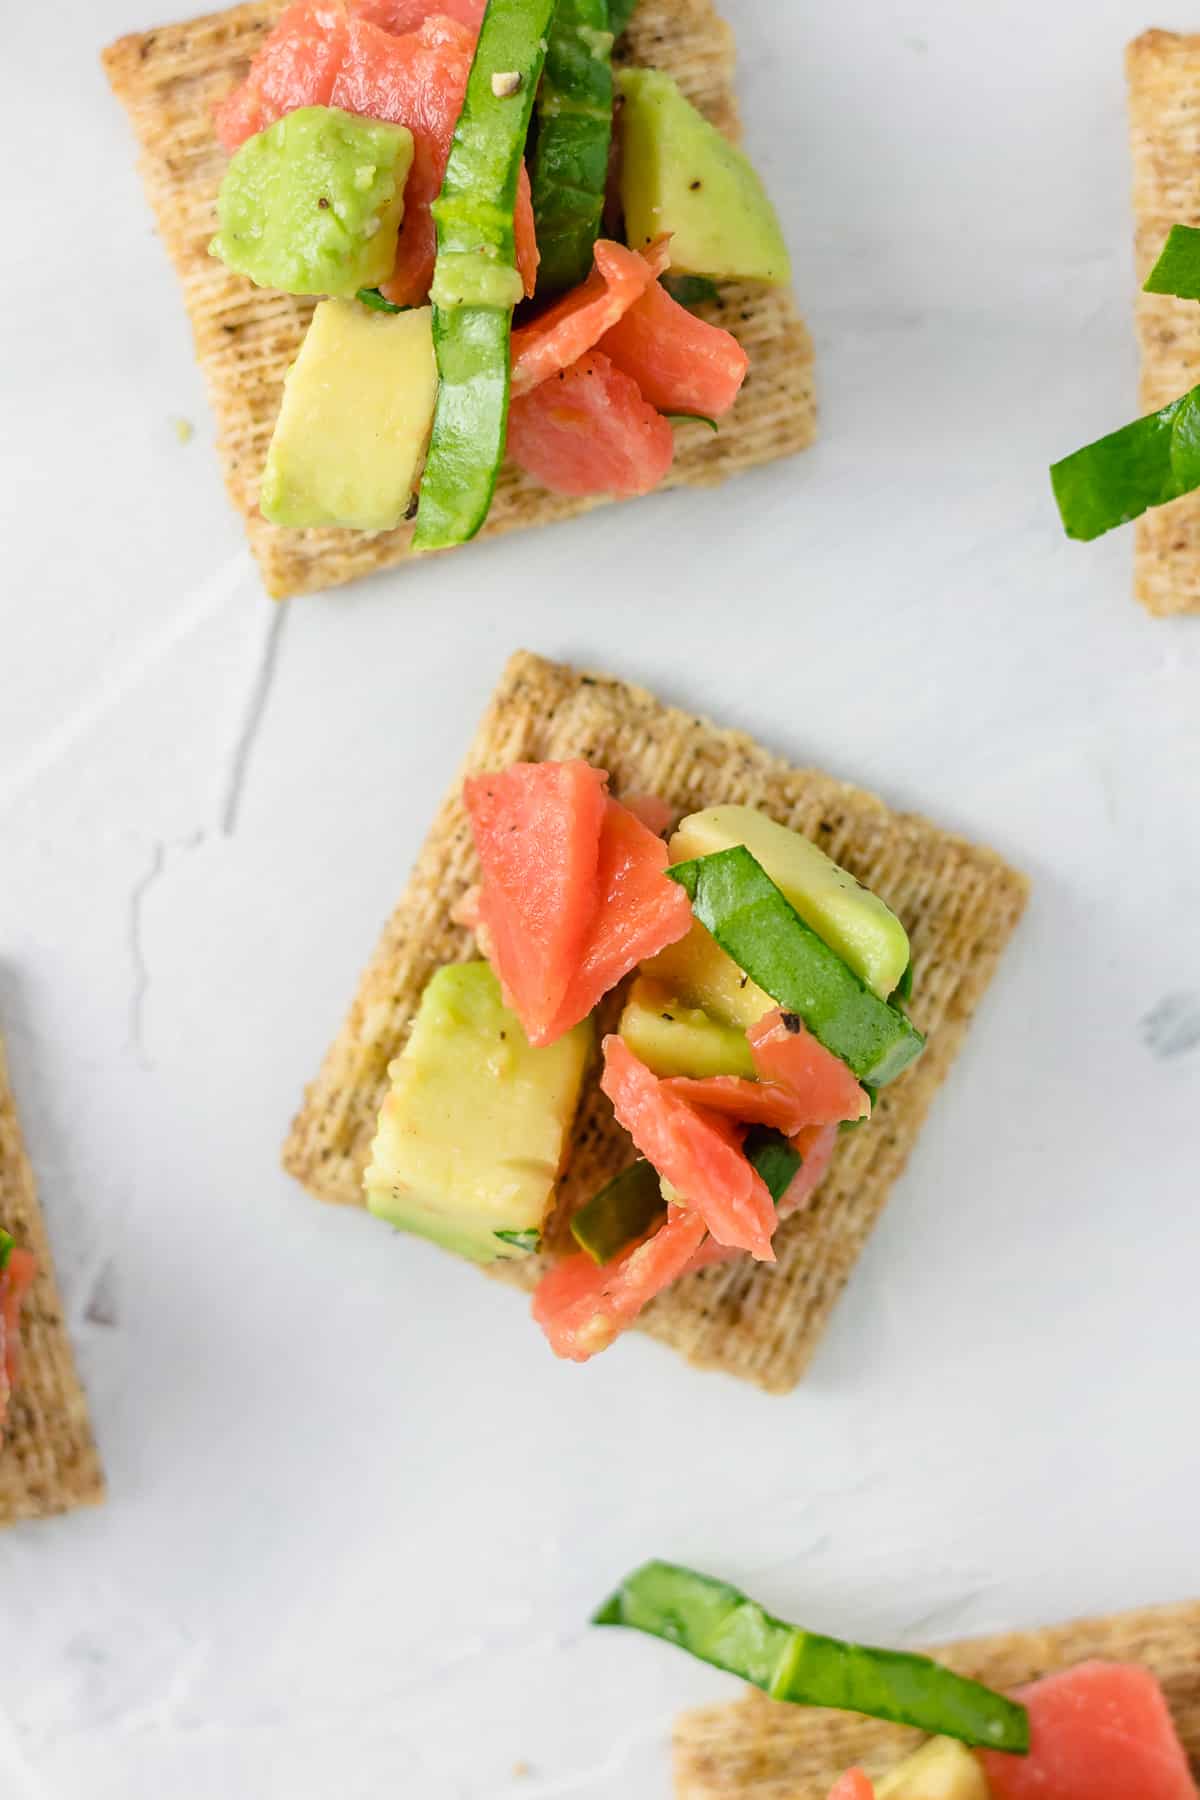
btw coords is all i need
(247, 338)
(1164, 117)
(48, 1460)
(959, 902)
(760, 1749)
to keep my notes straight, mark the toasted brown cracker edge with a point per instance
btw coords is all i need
(1164, 96)
(48, 1460)
(246, 338)
(960, 904)
(760, 1749)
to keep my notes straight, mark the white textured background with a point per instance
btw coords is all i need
(358, 1515)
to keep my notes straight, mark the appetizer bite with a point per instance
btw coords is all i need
(1104, 1709)
(518, 249)
(619, 1069)
(762, 1018)
(48, 1460)
(17, 1270)
(1150, 470)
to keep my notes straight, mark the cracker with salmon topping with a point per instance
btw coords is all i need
(1164, 94)
(246, 338)
(48, 1459)
(959, 903)
(760, 1749)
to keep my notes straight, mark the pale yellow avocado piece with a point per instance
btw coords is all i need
(353, 430)
(865, 933)
(679, 174)
(939, 1770)
(672, 1038)
(474, 1129)
(699, 972)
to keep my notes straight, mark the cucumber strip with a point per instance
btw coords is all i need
(904, 987)
(720, 1625)
(696, 418)
(570, 168)
(7, 1246)
(690, 290)
(753, 922)
(475, 282)
(1120, 476)
(1177, 270)
(625, 1209)
(619, 14)
(774, 1158)
(521, 1240)
(374, 299)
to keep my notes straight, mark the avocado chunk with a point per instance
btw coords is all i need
(680, 175)
(473, 1131)
(672, 1038)
(939, 1770)
(755, 924)
(354, 425)
(699, 972)
(313, 204)
(853, 921)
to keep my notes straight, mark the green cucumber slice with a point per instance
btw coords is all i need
(774, 1158)
(527, 1241)
(1177, 270)
(694, 418)
(7, 1246)
(570, 165)
(374, 299)
(475, 279)
(1121, 476)
(619, 14)
(690, 290)
(753, 922)
(625, 1209)
(720, 1625)
(904, 987)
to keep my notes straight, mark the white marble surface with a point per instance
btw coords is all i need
(358, 1515)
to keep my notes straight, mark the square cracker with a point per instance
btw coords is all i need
(48, 1461)
(760, 1749)
(1164, 102)
(960, 904)
(247, 338)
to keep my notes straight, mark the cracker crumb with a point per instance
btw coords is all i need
(184, 430)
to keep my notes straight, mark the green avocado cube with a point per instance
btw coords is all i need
(473, 1132)
(313, 204)
(354, 424)
(672, 1038)
(680, 175)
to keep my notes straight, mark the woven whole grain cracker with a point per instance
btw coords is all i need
(960, 904)
(1164, 109)
(48, 1460)
(247, 338)
(760, 1749)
